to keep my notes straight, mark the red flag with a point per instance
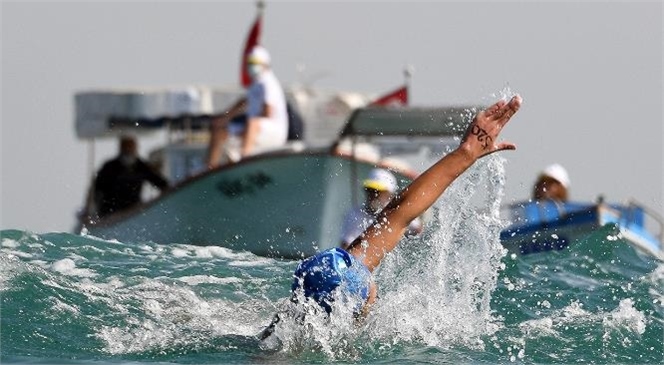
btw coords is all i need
(253, 39)
(398, 97)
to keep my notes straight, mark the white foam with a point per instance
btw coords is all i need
(656, 290)
(10, 243)
(215, 252)
(77, 257)
(88, 248)
(85, 234)
(146, 248)
(10, 266)
(173, 315)
(239, 258)
(657, 276)
(21, 254)
(41, 263)
(35, 245)
(64, 307)
(212, 251)
(538, 327)
(255, 262)
(63, 265)
(624, 317)
(68, 267)
(223, 252)
(209, 279)
(115, 282)
(178, 252)
(574, 311)
(627, 317)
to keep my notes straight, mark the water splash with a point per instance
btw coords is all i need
(434, 289)
(506, 93)
(437, 288)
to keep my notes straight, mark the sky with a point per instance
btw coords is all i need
(590, 74)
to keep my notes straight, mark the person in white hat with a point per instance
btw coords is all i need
(266, 123)
(379, 188)
(552, 184)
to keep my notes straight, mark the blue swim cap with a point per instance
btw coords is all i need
(321, 274)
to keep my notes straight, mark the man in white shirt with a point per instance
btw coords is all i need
(379, 188)
(266, 125)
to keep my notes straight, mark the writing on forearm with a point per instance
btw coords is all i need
(482, 136)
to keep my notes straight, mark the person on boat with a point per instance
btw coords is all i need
(260, 119)
(379, 188)
(336, 271)
(552, 184)
(119, 182)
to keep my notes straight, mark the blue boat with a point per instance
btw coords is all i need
(541, 226)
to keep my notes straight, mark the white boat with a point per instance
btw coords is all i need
(542, 226)
(286, 203)
(290, 202)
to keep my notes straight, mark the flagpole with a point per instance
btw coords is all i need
(260, 5)
(408, 75)
(408, 71)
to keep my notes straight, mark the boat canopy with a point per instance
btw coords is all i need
(107, 113)
(113, 112)
(409, 121)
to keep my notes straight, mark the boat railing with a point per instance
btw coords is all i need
(541, 212)
(653, 216)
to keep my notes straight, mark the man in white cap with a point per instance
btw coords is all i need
(379, 188)
(266, 124)
(552, 184)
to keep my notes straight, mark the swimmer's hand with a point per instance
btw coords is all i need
(482, 133)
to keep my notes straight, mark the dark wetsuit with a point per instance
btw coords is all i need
(118, 186)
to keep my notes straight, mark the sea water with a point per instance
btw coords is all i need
(450, 295)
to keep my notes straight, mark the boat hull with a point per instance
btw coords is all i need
(554, 227)
(288, 205)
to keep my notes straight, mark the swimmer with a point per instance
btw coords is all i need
(321, 276)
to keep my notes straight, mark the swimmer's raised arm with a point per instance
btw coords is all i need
(479, 140)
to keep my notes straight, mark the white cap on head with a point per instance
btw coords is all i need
(556, 171)
(259, 55)
(381, 180)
